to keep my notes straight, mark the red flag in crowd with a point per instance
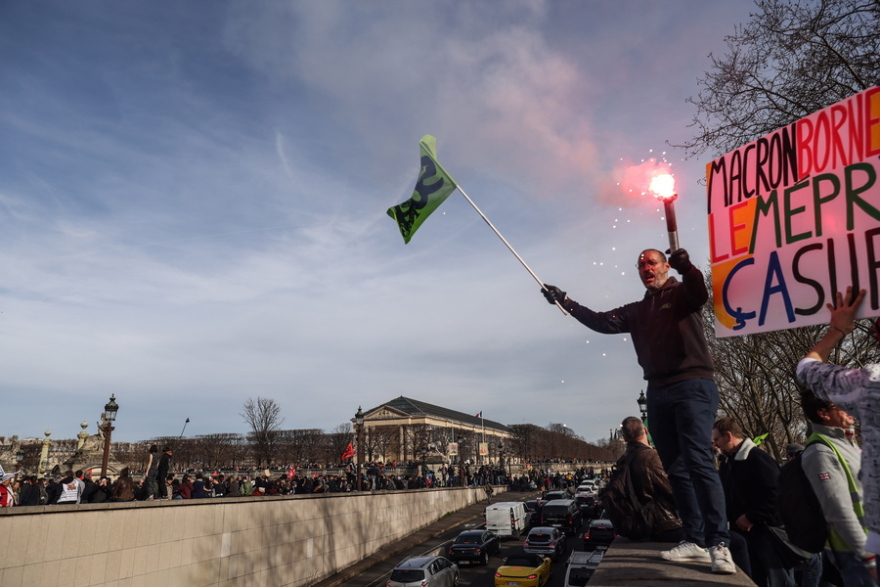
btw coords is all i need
(348, 453)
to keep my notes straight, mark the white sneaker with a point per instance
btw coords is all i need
(686, 551)
(722, 563)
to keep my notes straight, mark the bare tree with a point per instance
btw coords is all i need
(755, 374)
(263, 415)
(791, 59)
(335, 443)
(299, 447)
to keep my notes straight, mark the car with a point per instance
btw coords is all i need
(563, 514)
(546, 541)
(599, 535)
(533, 509)
(523, 570)
(588, 505)
(551, 495)
(474, 546)
(580, 566)
(425, 571)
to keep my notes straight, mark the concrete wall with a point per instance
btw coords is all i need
(295, 540)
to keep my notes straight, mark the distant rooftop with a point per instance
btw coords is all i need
(415, 407)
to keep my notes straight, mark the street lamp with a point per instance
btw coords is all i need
(643, 405)
(109, 416)
(359, 421)
(19, 458)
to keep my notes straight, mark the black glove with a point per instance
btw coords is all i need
(553, 294)
(680, 261)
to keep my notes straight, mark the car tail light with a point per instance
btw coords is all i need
(477, 550)
(552, 544)
(498, 575)
(587, 535)
(526, 543)
(533, 576)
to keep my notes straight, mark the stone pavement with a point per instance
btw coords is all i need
(639, 564)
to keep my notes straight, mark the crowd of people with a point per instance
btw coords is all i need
(158, 483)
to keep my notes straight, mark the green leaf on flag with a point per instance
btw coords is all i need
(759, 439)
(432, 189)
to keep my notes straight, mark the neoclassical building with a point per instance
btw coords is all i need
(405, 429)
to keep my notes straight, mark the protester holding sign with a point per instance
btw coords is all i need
(670, 344)
(857, 391)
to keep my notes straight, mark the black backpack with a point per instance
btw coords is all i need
(627, 514)
(799, 507)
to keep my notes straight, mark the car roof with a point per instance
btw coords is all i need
(559, 502)
(471, 532)
(416, 562)
(543, 530)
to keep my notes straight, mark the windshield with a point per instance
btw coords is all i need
(467, 540)
(540, 538)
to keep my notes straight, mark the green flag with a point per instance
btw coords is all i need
(432, 189)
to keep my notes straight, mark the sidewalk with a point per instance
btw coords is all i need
(430, 531)
(639, 564)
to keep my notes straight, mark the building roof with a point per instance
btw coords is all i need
(414, 407)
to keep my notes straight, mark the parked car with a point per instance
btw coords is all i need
(533, 511)
(600, 534)
(474, 546)
(425, 571)
(546, 541)
(563, 514)
(523, 570)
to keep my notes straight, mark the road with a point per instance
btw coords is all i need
(471, 575)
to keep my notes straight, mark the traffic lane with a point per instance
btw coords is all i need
(474, 575)
(378, 574)
(478, 576)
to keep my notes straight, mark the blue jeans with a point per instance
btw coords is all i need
(680, 417)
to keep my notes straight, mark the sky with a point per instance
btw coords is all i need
(193, 205)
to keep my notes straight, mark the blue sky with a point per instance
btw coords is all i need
(193, 197)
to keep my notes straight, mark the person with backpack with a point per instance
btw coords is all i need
(839, 391)
(750, 479)
(638, 498)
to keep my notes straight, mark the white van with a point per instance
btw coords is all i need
(506, 518)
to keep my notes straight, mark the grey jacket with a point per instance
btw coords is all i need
(858, 392)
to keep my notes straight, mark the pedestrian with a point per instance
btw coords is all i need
(667, 332)
(151, 483)
(162, 472)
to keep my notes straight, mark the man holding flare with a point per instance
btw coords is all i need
(667, 333)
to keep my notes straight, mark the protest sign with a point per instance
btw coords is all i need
(795, 217)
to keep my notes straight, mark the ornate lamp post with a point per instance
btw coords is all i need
(643, 405)
(359, 422)
(44, 454)
(19, 459)
(109, 416)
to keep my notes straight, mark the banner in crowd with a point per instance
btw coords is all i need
(795, 217)
(453, 449)
(484, 449)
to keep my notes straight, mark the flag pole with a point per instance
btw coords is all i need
(504, 240)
